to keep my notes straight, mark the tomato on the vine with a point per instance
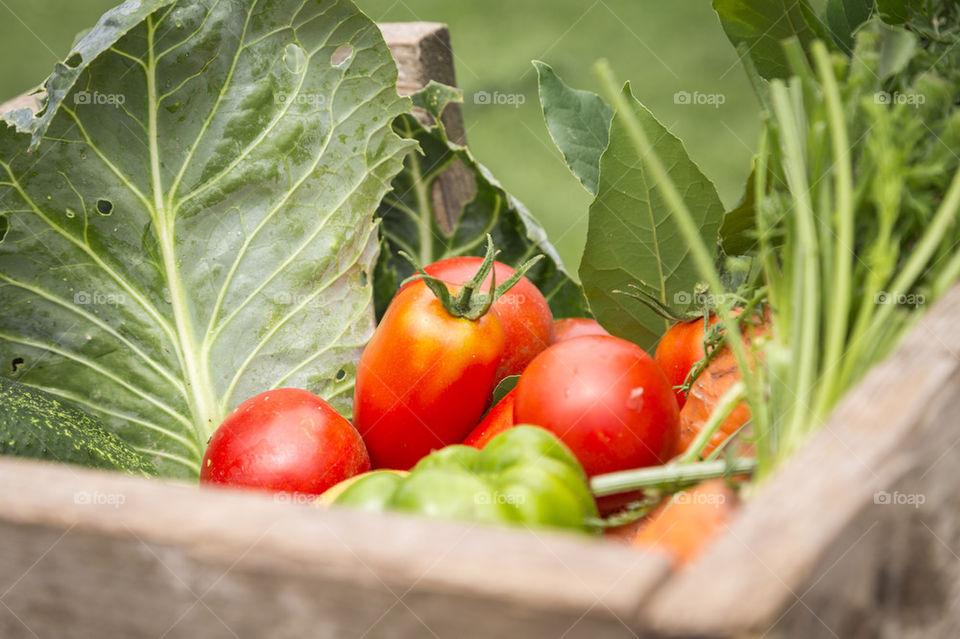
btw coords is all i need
(426, 376)
(680, 348)
(285, 440)
(523, 311)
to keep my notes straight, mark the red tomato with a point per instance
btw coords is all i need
(680, 348)
(523, 311)
(424, 379)
(498, 419)
(605, 398)
(564, 329)
(285, 440)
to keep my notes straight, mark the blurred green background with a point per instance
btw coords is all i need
(661, 47)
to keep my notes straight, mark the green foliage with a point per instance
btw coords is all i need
(579, 124)
(843, 17)
(758, 27)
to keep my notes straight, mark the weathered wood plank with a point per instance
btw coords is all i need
(813, 554)
(86, 553)
(423, 53)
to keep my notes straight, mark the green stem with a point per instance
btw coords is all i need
(839, 308)
(728, 402)
(670, 475)
(203, 403)
(806, 280)
(421, 191)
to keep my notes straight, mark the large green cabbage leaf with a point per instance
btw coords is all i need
(195, 224)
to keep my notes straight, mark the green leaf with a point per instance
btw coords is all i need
(197, 225)
(37, 425)
(761, 25)
(409, 222)
(897, 11)
(579, 123)
(112, 26)
(631, 237)
(897, 48)
(844, 17)
(503, 389)
(738, 229)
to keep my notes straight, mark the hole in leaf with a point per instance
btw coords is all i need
(4, 227)
(295, 58)
(104, 207)
(340, 56)
(340, 375)
(74, 61)
(16, 364)
(363, 277)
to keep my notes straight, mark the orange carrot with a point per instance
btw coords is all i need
(684, 525)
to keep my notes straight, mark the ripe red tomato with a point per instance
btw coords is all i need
(564, 329)
(285, 440)
(680, 348)
(605, 398)
(498, 419)
(523, 311)
(424, 379)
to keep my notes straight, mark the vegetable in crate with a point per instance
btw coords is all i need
(570, 327)
(285, 440)
(524, 476)
(523, 311)
(679, 350)
(427, 375)
(603, 397)
(498, 419)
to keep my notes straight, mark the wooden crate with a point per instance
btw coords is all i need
(816, 552)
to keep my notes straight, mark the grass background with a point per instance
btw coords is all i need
(661, 47)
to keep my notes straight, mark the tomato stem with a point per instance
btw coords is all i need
(468, 304)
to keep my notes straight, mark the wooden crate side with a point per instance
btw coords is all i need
(816, 550)
(88, 553)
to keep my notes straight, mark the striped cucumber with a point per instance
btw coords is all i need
(38, 425)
